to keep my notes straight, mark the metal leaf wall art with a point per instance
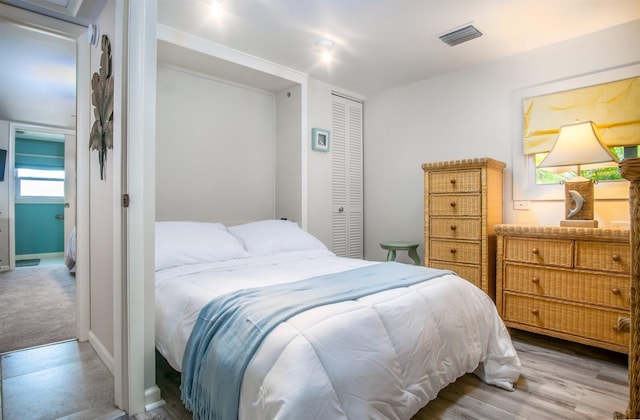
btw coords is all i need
(101, 137)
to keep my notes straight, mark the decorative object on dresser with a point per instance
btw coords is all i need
(578, 147)
(570, 283)
(630, 170)
(462, 202)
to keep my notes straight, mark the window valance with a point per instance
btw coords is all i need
(39, 154)
(39, 161)
(614, 107)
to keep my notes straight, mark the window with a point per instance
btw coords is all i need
(528, 182)
(546, 176)
(39, 183)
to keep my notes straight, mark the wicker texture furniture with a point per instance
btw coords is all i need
(570, 283)
(630, 170)
(462, 202)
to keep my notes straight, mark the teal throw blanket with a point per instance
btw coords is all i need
(230, 328)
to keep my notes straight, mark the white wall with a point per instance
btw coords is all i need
(215, 149)
(468, 114)
(319, 165)
(288, 157)
(101, 212)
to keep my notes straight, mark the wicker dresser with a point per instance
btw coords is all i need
(571, 283)
(630, 170)
(462, 201)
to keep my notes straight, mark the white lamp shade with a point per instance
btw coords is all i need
(578, 144)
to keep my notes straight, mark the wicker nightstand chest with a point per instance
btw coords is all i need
(570, 283)
(462, 202)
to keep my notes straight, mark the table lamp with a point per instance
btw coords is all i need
(578, 146)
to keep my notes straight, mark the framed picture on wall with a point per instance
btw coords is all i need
(320, 140)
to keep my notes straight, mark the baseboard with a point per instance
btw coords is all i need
(114, 415)
(41, 256)
(1, 409)
(152, 398)
(101, 351)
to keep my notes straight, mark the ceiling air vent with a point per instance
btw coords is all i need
(461, 35)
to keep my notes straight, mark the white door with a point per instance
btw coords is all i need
(69, 186)
(346, 151)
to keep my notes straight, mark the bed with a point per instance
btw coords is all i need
(70, 252)
(381, 347)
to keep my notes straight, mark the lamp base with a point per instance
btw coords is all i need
(579, 223)
(578, 201)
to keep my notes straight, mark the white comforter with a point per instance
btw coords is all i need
(383, 356)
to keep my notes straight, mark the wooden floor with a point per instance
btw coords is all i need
(61, 381)
(560, 380)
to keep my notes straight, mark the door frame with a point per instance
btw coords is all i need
(70, 148)
(78, 34)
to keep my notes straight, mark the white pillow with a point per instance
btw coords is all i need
(270, 236)
(183, 242)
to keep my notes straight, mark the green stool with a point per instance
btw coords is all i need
(392, 247)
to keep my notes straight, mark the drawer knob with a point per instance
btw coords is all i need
(453, 250)
(616, 257)
(535, 251)
(453, 227)
(535, 280)
(535, 312)
(615, 291)
(452, 204)
(453, 181)
(623, 325)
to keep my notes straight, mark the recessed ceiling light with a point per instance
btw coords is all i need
(217, 8)
(326, 49)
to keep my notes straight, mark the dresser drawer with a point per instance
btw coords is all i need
(603, 256)
(454, 182)
(470, 273)
(583, 321)
(455, 251)
(539, 251)
(578, 286)
(454, 228)
(455, 205)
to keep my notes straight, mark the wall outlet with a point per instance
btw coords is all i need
(521, 205)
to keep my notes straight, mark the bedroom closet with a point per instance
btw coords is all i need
(346, 177)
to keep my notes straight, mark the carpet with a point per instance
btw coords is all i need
(27, 263)
(37, 306)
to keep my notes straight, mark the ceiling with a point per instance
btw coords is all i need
(81, 12)
(378, 44)
(37, 72)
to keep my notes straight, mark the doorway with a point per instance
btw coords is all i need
(44, 195)
(39, 292)
(35, 90)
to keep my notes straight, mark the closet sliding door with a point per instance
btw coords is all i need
(346, 152)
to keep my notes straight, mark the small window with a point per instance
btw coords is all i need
(546, 176)
(526, 183)
(39, 183)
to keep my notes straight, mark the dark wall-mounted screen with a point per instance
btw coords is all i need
(3, 163)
